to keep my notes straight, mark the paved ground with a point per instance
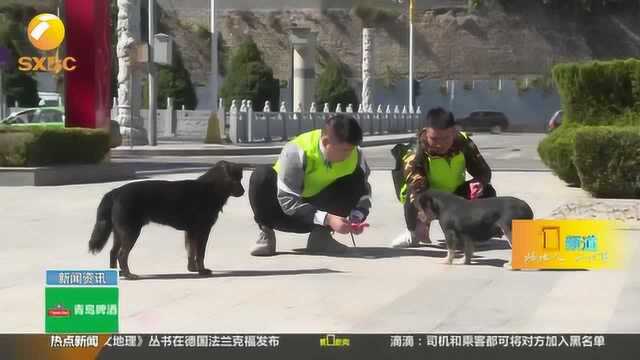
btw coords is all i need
(371, 289)
(509, 151)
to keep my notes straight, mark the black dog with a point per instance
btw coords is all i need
(463, 221)
(190, 205)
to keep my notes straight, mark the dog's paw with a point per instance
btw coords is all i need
(192, 268)
(205, 272)
(467, 261)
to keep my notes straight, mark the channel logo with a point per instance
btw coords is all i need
(568, 244)
(333, 341)
(46, 33)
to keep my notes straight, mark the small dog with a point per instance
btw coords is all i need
(464, 221)
(190, 205)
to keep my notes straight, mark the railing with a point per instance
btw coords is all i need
(247, 126)
(243, 125)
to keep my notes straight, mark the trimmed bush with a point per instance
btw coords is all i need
(557, 151)
(13, 147)
(38, 146)
(608, 161)
(600, 93)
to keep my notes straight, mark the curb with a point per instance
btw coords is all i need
(65, 174)
(235, 151)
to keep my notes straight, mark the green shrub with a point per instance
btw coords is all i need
(38, 146)
(557, 151)
(600, 93)
(173, 82)
(250, 78)
(608, 161)
(13, 149)
(333, 87)
(372, 16)
(597, 145)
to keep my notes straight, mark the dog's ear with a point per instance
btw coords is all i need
(216, 172)
(237, 170)
(234, 179)
(233, 170)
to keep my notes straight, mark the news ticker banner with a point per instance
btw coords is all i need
(568, 244)
(81, 301)
(331, 346)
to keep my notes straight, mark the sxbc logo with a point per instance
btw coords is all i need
(46, 32)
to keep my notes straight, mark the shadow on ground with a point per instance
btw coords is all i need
(489, 262)
(489, 245)
(237, 273)
(373, 253)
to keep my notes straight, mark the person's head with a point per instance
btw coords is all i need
(440, 131)
(340, 135)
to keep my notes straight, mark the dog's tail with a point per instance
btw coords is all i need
(102, 228)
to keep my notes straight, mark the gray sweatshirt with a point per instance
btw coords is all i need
(291, 185)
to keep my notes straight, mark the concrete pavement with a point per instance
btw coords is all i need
(505, 152)
(371, 289)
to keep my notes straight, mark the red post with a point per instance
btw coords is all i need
(88, 40)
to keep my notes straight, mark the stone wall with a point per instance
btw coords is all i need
(449, 44)
(196, 7)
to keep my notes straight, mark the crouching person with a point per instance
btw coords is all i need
(319, 185)
(441, 159)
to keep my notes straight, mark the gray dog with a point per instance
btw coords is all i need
(465, 220)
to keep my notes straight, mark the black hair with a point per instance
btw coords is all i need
(345, 129)
(439, 118)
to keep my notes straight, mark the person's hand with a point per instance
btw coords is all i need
(338, 224)
(356, 218)
(475, 190)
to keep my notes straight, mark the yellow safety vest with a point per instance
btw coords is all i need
(444, 174)
(317, 174)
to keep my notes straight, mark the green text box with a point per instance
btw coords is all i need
(81, 310)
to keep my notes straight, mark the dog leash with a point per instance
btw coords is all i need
(353, 240)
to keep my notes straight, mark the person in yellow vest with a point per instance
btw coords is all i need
(318, 185)
(441, 159)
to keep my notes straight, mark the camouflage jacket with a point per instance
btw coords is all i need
(477, 167)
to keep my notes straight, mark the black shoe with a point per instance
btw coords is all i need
(321, 241)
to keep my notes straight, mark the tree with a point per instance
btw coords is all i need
(18, 86)
(175, 82)
(250, 78)
(333, 87)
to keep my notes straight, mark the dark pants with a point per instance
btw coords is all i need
(411, 213)
(338, 198)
